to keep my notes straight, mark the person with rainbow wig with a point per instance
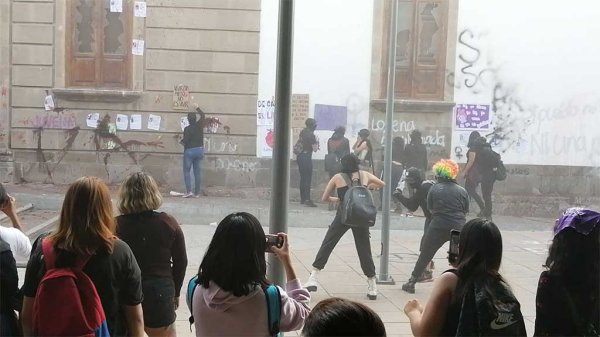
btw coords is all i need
(448, 203)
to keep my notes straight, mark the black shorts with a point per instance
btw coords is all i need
(158, 304)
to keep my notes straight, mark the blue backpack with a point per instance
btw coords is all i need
(273, 304)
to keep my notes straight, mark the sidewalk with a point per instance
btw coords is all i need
(524, 254)
(525, 248)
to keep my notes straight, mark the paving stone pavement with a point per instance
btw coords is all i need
(524, 254)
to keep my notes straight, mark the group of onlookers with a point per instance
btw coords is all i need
(137, 261)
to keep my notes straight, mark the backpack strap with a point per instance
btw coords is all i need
(273, 308)
(189, 296)
(347, 178)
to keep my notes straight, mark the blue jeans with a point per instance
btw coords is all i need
(192, 157)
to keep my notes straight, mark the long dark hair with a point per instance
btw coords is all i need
(479, 256)
(575, 259)
(235, 258)
(350, 163)
(473, 136)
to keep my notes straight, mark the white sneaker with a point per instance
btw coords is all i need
(312, 284)
(372, 288)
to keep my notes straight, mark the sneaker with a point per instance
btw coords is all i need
(409, 215)
(312, 284)
(409, 286)
(309, 203)
(372, 288)
(426, 276)
(188, 195)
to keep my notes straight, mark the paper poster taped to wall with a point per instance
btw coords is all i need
(139, 9)
(135, 122)
(154, 122)
(137, 47)
(116, 6)
(184, 122)
(300, 106)
(472, 117)
(265, 138)
(122, 122)
(330, 116)
(92, 120)
(181, 97)
(265, 111)
(49, 103)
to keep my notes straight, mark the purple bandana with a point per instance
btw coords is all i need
(580, 219)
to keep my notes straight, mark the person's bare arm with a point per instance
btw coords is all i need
(428, 321)
(361, 147)
(283, 254)
(470, 161)
(326, 197)
(373, 182)
(27, 316)
(135, 320)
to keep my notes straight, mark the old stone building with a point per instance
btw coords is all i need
(99, 59)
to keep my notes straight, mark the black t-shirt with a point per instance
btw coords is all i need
(116, 276)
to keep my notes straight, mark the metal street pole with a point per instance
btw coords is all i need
(384, 277)
(281, 153)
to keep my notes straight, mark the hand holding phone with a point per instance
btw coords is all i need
(273, 240)
(453, 251)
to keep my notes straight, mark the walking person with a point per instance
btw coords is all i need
(363, 149)
(85, 241)
(337, 147)
(568, 293)
(448, 203)
(193, 153)
(486, 161)
(471, 173)
(350, 172)
(230, 297)
(414, 180)
(310, 144)
(157, 242)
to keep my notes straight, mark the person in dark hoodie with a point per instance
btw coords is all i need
(193, 153)
(337, 147)
(398, 159)
(415, 152)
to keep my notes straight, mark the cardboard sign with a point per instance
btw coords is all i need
(299, 110)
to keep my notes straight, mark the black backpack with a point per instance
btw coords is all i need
(490, 160)
(485, 314)
(357, 208)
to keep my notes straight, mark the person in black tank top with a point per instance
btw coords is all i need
(337, 229)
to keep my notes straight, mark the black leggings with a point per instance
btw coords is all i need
(487, 187)
(305, 166)
(361, 240)
(431, 242)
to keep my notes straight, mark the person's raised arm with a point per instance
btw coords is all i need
(429, 321)
(283, 254)
(326, 197)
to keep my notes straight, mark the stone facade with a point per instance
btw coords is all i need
(209, 45)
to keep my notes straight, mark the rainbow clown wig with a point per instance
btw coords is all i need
(446, 169)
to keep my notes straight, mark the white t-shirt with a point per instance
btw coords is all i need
(18, 241)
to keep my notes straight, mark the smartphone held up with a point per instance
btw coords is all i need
(453, 251)
(273, 240)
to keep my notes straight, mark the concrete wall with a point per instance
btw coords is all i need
(210, 45)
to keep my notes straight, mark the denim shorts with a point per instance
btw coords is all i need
(158, 304)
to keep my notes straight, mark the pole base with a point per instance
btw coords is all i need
(388, 281)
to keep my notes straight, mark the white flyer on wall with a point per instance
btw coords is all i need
(49, 103)
(184, 122)
(139, 9)
(154, 122)
(135, 122)
(116, 6)
(137, 47)
(122, 122)
(92, 120)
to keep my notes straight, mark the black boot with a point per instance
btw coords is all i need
(409, 286)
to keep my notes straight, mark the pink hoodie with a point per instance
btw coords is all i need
(220, 313)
